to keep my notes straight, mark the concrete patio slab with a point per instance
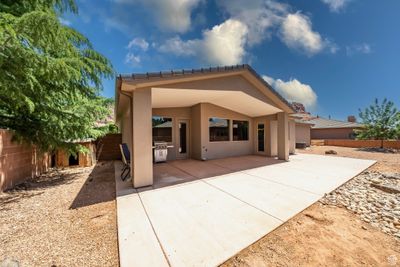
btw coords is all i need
(225, 206)
(200, 225)
(280, 201)
(137, 242)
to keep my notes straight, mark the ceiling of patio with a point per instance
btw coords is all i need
(234, 100)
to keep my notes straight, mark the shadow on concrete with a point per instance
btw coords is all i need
(182, 171)
(99, 186)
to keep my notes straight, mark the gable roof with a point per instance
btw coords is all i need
(163, 77)
(323, 123)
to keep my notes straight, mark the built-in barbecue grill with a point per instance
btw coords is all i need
(161, 151)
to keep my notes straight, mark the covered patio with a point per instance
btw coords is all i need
(201, 115)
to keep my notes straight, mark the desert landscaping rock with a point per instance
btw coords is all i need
(373, 196)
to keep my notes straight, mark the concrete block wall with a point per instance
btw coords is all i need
(19, 162)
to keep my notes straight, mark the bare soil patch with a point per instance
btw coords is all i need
(63, 218)
(321, 236)
(327, 235)
(388, 161)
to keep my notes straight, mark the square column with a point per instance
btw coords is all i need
(142, 135)
(283, 136)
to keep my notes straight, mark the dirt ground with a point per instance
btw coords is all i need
(324, 235)
(64, 218)
(386, 162)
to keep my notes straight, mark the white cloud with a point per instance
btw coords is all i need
(297, 33)
(363, 48)
(294, 90)
(179, 47)
(336, 5)
(170, 15)
(265, 17)
(260, 16)
(132, 59)
(138, 42)
(224, 44)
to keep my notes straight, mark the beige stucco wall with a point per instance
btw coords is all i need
(233, 83)
(141, 152)
(292, 137)
(213, 150)
(303, 133)
(340, 133)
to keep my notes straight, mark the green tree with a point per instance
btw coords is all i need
(50, 76)
(381, 121)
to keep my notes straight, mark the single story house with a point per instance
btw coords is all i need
(303, 130)
(201, 114)
(334, 129)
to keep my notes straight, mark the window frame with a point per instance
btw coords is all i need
(248, 131)
(228, 130)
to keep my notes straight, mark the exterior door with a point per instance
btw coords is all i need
(261, 137)
(183, 139)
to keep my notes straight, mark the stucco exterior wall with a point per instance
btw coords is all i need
(339, 133)
(292, 137)
(213, 150)
(303, 133)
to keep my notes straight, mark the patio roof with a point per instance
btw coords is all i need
(158, 80)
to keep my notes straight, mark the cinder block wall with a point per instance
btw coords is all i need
(19, 162)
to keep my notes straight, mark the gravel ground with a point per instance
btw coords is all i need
(63, 218)
(356, 225)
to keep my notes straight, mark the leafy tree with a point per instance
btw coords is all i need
(381, 121)
(50, 75)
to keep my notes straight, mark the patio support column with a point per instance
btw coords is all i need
(283, 136)
(268, 138)
(141, 154)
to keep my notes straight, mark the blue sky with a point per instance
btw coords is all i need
(335, 56)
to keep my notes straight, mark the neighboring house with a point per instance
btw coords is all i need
(203, 114)
(303, 131)
(334, 129)
(303, 125)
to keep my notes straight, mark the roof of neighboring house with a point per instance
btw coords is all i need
(138, 78)
(323, 123)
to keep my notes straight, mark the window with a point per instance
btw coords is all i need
(240, 130)
(219, 129)
(162, 129)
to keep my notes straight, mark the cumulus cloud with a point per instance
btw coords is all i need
(265, 17)
(336, 5)
(363, 48)
(294, 90)
(138, 43)
(224, 44)
(170, 15)
(297, 33)
(260, 16)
